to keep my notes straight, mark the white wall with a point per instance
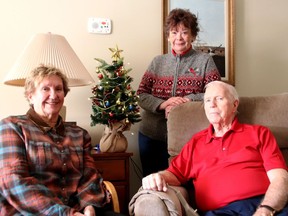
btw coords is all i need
(261, 49)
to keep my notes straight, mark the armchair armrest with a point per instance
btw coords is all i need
(188, 209)
(115, 201)
(148, 202)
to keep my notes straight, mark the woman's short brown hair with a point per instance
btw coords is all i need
(39, 73)
(182, 16)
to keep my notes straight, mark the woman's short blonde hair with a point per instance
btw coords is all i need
(39, 73)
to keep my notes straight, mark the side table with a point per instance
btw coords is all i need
(115, 168)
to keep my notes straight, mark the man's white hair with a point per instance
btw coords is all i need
(230, 88)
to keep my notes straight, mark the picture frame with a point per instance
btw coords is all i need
(217, 31)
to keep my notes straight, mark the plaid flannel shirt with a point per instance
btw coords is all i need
(46, 171)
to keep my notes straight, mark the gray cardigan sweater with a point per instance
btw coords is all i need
(172, 75)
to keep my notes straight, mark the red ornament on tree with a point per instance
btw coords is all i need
(117, 103)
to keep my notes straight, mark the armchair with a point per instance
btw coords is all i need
(271, 111)
(189, 118)
(115, 202)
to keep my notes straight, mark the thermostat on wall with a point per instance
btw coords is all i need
(99, 25)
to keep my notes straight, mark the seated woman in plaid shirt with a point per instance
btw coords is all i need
(45, 164)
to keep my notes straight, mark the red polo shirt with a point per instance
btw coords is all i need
(229, 168)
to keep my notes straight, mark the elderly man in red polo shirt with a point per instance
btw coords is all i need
(237, 169)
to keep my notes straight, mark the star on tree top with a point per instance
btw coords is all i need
(115, 53)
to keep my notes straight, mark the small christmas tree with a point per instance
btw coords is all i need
(113, 98)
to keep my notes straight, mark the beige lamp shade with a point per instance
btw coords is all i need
(49, 49)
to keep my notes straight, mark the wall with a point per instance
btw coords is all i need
(135, 31)
(261, 47)
(261, 54)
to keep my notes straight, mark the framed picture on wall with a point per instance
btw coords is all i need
(217, 31)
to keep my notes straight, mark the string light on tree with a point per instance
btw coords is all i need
(113, 98)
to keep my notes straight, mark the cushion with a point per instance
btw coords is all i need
(264, 110)
(184, 121)
(281, 136)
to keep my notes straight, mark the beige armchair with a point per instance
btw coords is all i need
(189, 118)
(271, 111)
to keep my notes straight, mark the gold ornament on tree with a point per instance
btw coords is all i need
(116, 53)
(114, 103)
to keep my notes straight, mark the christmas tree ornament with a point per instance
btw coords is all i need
(131, 107)
(107, 103)
(114, 102)
(100, 76)
(115, 53)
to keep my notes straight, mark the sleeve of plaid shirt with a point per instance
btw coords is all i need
(24, 194)
(91, 189)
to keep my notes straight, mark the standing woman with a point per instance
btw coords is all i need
(171, 79)
(46, 164)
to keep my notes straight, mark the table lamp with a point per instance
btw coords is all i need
(49, 49)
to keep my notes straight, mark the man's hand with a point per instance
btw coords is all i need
(154, 182)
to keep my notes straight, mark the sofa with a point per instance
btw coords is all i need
(189, 118)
